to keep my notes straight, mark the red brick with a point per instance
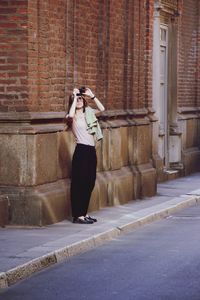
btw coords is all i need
(8, 25)
(8, 67)
(187, 83)
(17, 74)
(16, 88)
(107, 47)
(18, 3)
(4, 3)
(7, 10)
(7, 81)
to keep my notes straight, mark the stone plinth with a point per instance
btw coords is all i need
(36, 157)
(4, 210)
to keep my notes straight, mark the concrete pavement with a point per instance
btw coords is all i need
(24, 251)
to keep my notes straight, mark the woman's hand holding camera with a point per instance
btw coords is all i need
(75, 92)
(89, 93)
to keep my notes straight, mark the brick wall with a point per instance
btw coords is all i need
(187, 68)
(13, 55)
(101, 52)
(198, 62)
(110, 57)
(47, 55)
(32, 55)
(82, 44)
(149, 6)
(33, 80)
(50, 46)
(116, 54)
(101, 44)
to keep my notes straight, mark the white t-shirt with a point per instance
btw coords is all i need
(79, 129)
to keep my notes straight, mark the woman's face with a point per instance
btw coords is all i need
(79, 103)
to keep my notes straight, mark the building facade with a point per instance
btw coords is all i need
(142, 60)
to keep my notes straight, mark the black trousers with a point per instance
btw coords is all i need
(83, 178)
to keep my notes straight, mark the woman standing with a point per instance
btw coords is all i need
(85, 127)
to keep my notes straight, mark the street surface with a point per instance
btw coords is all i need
(159, 261)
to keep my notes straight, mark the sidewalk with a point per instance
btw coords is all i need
(24, 251)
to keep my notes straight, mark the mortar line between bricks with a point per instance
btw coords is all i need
(11, 276)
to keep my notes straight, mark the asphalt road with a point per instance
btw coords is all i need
(160, 261)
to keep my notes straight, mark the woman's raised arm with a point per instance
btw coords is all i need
(73, 107)
(99, 105)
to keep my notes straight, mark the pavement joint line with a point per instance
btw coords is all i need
(25, 270)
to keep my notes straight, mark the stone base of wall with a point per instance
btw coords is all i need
(148, 180)
(40, 205)
(189, 123)
(36, 154)
(113, 188)
(191, 160)
(4, 210)
(50, 203)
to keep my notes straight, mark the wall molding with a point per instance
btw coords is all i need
(46, 122)
(185, 113)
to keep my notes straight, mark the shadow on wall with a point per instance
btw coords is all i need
(66, 147)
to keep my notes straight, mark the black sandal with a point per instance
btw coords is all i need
(91, 218)
(82, 221)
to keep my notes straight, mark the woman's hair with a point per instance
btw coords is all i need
(71, 99)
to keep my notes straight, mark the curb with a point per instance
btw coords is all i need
(143, 217)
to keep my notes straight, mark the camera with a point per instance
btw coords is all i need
(81, 91)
